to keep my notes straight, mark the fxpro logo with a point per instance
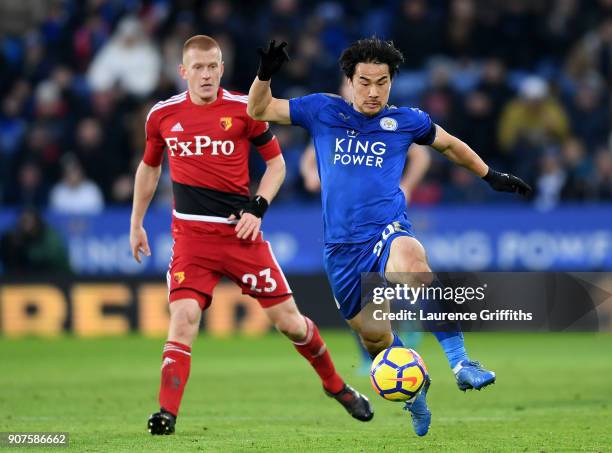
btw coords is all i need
(353, 151)
(196, 147)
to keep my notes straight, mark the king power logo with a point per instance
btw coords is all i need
(353, 151)
(197, 147)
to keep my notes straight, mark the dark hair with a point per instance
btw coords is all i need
(370, 50)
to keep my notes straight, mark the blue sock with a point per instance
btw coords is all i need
(448, 333)
(453, 345)
(397, 342)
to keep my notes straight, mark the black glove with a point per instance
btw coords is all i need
(256, 206)
(271, 60)
(503, 182)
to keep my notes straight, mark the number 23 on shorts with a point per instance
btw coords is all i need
(269, 283)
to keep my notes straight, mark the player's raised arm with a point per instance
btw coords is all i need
(262, 106)
(460, 153)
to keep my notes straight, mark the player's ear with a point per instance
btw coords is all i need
(222, 68)
(182, 70)
(351, 88)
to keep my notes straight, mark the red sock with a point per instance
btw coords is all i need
(174, 374)
(314, 350)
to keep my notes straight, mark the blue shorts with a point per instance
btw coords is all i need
(344, 264)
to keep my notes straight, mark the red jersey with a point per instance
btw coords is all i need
(208, 152)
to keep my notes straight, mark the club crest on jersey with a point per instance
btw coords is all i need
(225, 122)
(179, 277)
(388, 124)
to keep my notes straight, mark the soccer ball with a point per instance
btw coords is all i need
(397, 374)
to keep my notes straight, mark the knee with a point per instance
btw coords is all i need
(408, 256)
(184, 324)
(418, 267)
(411, 267)
(413, 272)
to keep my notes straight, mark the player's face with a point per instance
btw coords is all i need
(370, 87)
(203, 70)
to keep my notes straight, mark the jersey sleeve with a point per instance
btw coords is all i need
(154, 147)
(303, 110)
(424, 128)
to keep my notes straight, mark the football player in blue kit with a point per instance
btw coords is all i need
(361, 148)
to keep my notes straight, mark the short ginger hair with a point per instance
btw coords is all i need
(202, 42)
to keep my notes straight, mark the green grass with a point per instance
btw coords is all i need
(554, 393)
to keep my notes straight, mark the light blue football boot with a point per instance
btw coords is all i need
(471, 375)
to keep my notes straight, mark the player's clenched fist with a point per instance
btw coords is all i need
(504, 182)
(271, 59)
(139, 243)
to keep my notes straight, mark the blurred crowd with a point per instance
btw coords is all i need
(526, 83)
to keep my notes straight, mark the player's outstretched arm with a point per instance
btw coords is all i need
(460, 153)
(145, 184)
(262, 106)
(308, 169)
(418, 164)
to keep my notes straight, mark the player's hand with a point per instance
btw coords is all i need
(271, 60)
(248, 225)
(139, 243)
(504, 182)
(250, 216)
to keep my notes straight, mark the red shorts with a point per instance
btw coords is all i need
(204, 252)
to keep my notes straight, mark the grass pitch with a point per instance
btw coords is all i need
(554, 393)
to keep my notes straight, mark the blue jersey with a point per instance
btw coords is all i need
(360, 161)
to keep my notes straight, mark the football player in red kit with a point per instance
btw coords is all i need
(207, 135)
